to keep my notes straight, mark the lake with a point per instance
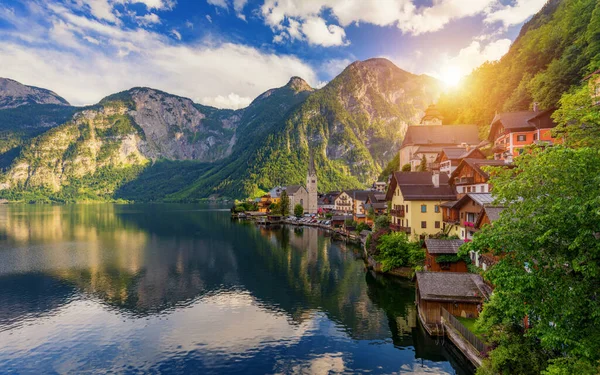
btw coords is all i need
(100, 288)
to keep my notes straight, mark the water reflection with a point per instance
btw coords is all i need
(170, 288)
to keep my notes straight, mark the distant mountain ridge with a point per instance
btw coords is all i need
(14, 94)
(137, 143)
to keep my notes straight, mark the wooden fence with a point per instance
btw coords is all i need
(464, 331)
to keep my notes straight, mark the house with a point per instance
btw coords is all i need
(359, 198)
(298, 195)
(469, 177)
(379, 186)
(461, 294)
(326, 202)
(460, 217)
(487, 216)
(511, 132)
(415, 199)
(264, 203)
(343, 203)
(375, 202)
(430, 137)
(450, 157)
(338, 221)
(438, 254)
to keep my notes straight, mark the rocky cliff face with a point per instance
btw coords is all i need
(101, 142)
(14, 94)
(177, 129)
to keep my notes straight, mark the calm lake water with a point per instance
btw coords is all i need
(183, 289)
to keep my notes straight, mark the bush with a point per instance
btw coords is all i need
(298, 210)
(362, 226)
(406, 168)
(382, 222)
(395, 250)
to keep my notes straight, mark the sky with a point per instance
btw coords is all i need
(225, 53)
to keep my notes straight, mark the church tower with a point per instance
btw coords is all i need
(432, 116)
(311, 187)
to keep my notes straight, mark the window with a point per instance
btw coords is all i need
(423, 208)
(407, 208)
(481, 188)
(437, 225)
(521, 138)
(535, 136)
(423, 224)
(462, 215)
(436, 208)
(521, 151)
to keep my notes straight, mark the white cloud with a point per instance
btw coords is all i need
(476, 54)
(232, 100)
(218, 3)
(404, 14)
(102, 10)
(209, 18)
(516, 13)
(148, 19)
(155, 4)
(223, 73)
(189, 24)
(238, 6)
(176, 34)
(334, 67)
(319, 33)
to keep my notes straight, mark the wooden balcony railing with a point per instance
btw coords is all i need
(397, 212)
(398, 228)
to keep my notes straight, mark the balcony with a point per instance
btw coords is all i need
(464, 180)
(398, 228)
(468, 224)
(397, 212)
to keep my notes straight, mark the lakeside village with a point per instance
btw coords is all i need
(437, 202)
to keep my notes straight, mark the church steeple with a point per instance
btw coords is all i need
(311, 185)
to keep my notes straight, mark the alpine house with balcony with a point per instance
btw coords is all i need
(415, 201)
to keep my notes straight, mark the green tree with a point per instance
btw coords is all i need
(396, 250)
(406, 168)
(423, 166)
(550, 271)
(578, 118)
(284, 203)
(382, 222)
(298, 210)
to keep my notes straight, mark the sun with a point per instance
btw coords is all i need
(451, 76)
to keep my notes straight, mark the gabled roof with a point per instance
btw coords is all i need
(452, 286)
(360, 195)
(419, 186)
(439, 246)
(492, 212)
(481, 199)
(441, 135)
(477, 164)
(428, 149)
(454, 153)
(293, 189)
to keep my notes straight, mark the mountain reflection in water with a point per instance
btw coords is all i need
(182, 288)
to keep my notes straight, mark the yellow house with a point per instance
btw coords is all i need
(416, 199)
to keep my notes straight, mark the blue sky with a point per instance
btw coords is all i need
(226, 52)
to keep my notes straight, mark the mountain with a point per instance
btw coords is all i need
(14, 94)
(554, 51)
(352, 126)
(145, 144)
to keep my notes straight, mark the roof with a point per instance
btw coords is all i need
(426, 193)
(419, 186)
(452, 286)
(476, 164)
(492, 212)
(376, 206)
(444, 135)
(360, 195)
(341, 217)
(293, 189)
(454, 153)
(432, 112)
(448, 204)
(428, 149)
(438, 246)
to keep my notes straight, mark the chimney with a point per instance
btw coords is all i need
(535, 106)
(435, 179)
